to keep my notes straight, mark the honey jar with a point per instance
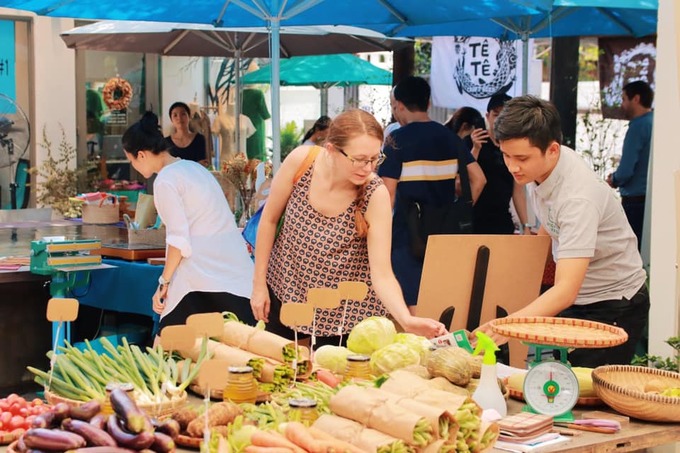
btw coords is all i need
(358, 367)
(302, 410)
(241, 386)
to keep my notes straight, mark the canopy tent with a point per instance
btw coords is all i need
(179, 39)
(323, 72)
(386, 16)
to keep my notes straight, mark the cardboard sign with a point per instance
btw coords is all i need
(294, 315)
(323, 297)
(178, 337)
(207, 324)
(513, 279)
(213, 374)
(353, 290)
(62, 310)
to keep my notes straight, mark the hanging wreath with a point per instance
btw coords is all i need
(117, 93)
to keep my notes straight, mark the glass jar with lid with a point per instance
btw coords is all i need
(302, 410)
(241, 385)
(358, 367)
(126, 386)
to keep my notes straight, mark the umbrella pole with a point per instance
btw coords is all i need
(275, 94)
(525, 63)
(324, 101)
(237, 102)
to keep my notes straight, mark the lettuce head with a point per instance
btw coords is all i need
(333, 358)
(370, 335)
(393, 357)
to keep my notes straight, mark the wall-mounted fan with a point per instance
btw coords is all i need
(15, 136)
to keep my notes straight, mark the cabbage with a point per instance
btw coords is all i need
(333, 358)
(370, 335)
(419, 344)
(392, 357)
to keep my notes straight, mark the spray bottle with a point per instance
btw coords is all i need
(488, 393)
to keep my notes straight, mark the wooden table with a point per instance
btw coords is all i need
(633, 436)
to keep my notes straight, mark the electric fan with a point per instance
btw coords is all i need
(15, 135)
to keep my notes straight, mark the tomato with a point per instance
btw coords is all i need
(17, 422)
(37, 402)
(11, 397)
(29, 420)
(5, 417)
(15, 408)
(18, 431)
(4, 405)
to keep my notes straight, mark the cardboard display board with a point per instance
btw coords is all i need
(513, 278)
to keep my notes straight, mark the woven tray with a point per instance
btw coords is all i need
(156, 410)
(566, 332)
(621, 387)
(8, 438)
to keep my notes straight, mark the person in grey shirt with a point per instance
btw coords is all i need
(599, 274)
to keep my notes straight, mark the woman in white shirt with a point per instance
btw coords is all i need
(207, 266)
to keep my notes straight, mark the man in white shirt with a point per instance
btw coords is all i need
(599, 274)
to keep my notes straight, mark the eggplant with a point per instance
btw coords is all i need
(125, 408)
(102, 450)
(99, 421)
(61, 411)
(162, 443)
(94, 436)
(44, 420)
(169, 427)
(86, 411)
(136, 441)
(52, 439)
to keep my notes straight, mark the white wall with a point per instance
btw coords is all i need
(55, 92)
(664, 316)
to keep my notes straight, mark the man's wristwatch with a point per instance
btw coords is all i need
(162, 281)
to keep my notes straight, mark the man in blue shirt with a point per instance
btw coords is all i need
(631, 175)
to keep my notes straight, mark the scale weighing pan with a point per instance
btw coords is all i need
(550, 386)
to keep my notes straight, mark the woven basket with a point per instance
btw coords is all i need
(621, 387)
(156, 410)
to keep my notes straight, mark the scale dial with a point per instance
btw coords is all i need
(551, 388)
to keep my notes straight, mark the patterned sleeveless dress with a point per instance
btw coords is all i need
(316, 251)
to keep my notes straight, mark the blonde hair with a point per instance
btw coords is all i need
(344, 127)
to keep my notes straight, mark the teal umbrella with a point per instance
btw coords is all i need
(323, 72)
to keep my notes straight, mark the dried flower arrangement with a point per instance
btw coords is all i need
(242, 173)
(57, 179)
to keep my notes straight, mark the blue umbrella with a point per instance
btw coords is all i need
(563, 18)
(385, 16)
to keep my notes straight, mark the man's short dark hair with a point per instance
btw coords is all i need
(414, 93)
(642, 89)
(531, 118)
(496, 101)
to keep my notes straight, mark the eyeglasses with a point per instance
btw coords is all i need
(361, 163)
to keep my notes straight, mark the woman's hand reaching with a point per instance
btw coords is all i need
(260, 303)
(159, 299)
(425, 327)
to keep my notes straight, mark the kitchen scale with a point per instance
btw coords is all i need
(550, 386)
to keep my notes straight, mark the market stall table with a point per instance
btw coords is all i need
(633, 436)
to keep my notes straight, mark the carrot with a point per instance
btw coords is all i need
(331, 443)
(272, 439)
(328, 378)
(298, 433)
(256, 449)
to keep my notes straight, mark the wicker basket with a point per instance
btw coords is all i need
(621, 387)
(102, 215)
(156, 410)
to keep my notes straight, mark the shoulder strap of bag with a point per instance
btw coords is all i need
(464, 179)
(306, 163)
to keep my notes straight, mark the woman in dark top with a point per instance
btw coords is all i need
(184, 143)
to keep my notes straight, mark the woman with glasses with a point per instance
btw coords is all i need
(338, 220)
